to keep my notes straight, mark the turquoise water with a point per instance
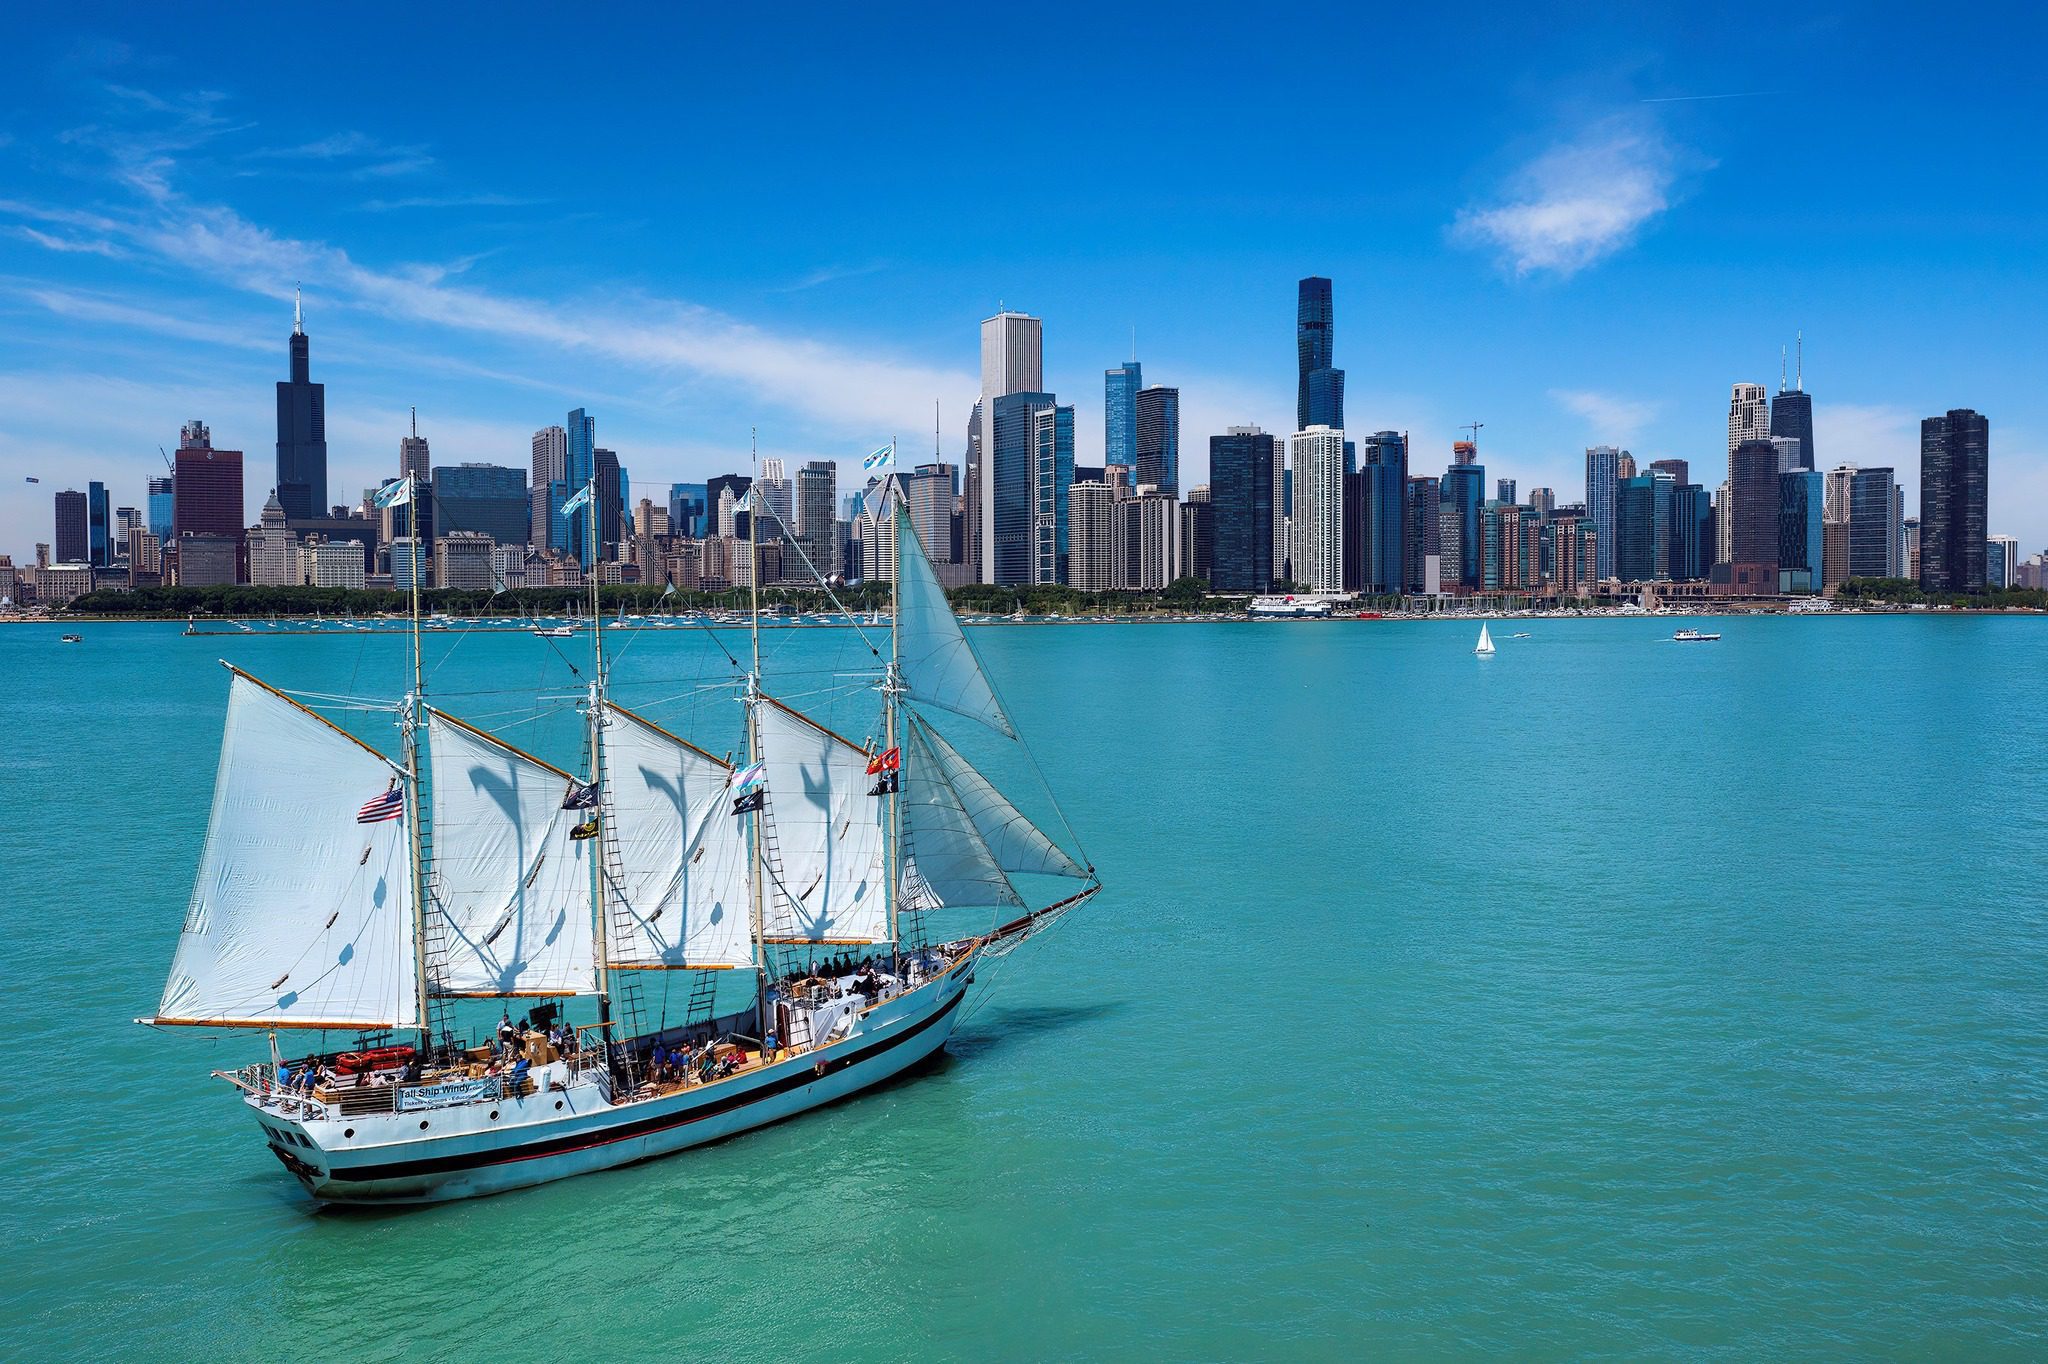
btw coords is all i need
(1607, 996)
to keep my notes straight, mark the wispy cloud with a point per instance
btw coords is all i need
(1580, 201)
(87, 307)
(70, 245)
(826, 274)
(1611, 418)
(364, 156)
(427, 201)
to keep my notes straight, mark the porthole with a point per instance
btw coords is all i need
(558, 1105)
(348, 1131)
(494, 1115)
(423, 1124)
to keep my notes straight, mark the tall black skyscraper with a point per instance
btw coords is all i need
(1955, 466)
(301, 434)
(1158, 440)
(1241, 491)
(1319, 400)
(71, 539)
(1792, 414)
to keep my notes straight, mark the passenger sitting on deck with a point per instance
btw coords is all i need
(865, 984)
(519, 1070)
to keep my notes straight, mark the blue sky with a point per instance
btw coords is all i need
(694, 224)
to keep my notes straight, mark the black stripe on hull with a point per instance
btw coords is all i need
(438, 1165)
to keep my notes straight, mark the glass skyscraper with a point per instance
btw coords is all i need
(689, 507)
(1031, 468)
(489, 499)
(1603, 472)
(1158, 462)
(301, 435)
(1873, 527)
(1241, 490)
(1955, 459)
(1383, 557)
(1801, 548)
(161, 508)
(1319, 398)
(1120, 413)
(573, 531)
(1463, 493)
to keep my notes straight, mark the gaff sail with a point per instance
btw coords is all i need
(510, 884)
(300, 916)
(825, 862)
(684, 856)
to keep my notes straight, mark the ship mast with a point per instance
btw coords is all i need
(600, 934)
(754, 740)
(892, 699)
(415, 717)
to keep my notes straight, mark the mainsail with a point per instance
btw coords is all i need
(828, 834)
(684, 856)
(938, 665)
(301, 916)
(511, 885)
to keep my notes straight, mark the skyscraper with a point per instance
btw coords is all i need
(1159, 438)
(484, 499)
(162, 500)
(1030, 468)
(415, 459)
(1955, 467)
(1319, 398)
(1120, 413)
(817, 520)
(550, 476)
(1680, 470)
(608, 502)
(1753, 478)
(929, 491)
(1692, 533)
(1642, 552)
(99, 525)
(1749, 418)
(1012, 361)
(1092, 562)
(1802, 541)
(1873, 525)
(1504, 490)
(1383, 524)
(688, 504)
(1241, 491)
(1464, 493)
(1319, 507)
(1603, 466)
(1423, 543)
(1792, 411)
(72, 542)
(301, 433)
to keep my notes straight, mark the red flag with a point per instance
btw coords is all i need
(886, 761)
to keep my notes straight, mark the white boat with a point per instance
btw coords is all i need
(315, 909)
(1485, 645)
(555, 631)
(1690, 636)
(1288, 608)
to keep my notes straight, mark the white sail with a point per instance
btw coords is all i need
(945, 856)
(685, 855)
(300, 916)
(1485, 645)
(1013, 840)
(511, 886)
(938, 665)
(826, 862)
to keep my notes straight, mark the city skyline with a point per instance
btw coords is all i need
(157, 225)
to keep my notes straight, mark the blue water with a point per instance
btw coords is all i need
(1608, 996)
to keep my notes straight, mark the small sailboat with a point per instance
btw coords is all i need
(1485, 646)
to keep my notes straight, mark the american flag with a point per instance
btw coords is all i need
(385, 805)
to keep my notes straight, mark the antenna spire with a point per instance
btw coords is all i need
(1799, 375)
(1781, 369)
(415, 423)
(298, 314)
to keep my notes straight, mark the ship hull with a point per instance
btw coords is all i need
(480, 1149)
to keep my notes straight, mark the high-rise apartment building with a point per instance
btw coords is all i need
(2001, 562)
(1093, 564)
(1543, 501)
(1319, 399)
(1464, 494)
(1749, 418)
(1159, 438)
(1120, 413)
(1383, 514)
(1692, 533)
(549, 483)
(1504, 490)
(1318, 453)
(1423, 543)
(1955, 465)
(1241, 493)
(1874, 544)
(301, 433)
(1149, 524)
(1603, 465)
(929, 491)
(817, 519)
(1012, 362)
(1196, 556)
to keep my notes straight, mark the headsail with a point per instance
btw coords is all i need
(685, 858)
(828, 834)
(1014, 841)
(946, 858)
(939, 666)
(301, 916)
(511, 885)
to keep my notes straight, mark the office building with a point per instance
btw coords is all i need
(609, 501)
(688, 507)
(1749, 418)
(1463, 493)
(489, 499)
(817, 520)
(409, 557)
(1802, 540)
(162, 501)
(1874, 539)
(1012, 362)
(1603, 465)
(1955, 459)
(207, 560)
(1383, 514)
(2001, 562)
(273, 549)
(1241, 486)
(301, 433)
(1120, 413)
(1159, 438)
(1692, 533)
(1319, 399)
(549, 477)
(1642, 553)
(1149, 525)
(1543, 501)
(1318, 456)
(415, 459)
(1093, 564)
(1423, 542)
(72, 539)
(99, 525)
(209, 500)
(1792, 412)
(1680, 470)
(145, 557)
(465, 560)
(1752, 569)
(1196, 556)
(333, 563)
(1030, 468)
(1504, 490)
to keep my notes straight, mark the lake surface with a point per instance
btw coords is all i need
(1607, 996)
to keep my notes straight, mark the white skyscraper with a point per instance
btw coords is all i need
(550, 462)
(1012, 361)
(1749, 415)
(1093, 565)
(1318, 455)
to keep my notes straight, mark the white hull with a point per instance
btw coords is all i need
(474, 1149)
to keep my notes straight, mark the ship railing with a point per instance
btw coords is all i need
(259, 1081)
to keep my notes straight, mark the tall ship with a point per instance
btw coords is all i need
(368, 900)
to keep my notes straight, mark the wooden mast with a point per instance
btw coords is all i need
(754, 744)
(415, 717)
(601, 936)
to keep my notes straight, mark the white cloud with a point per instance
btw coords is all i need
(1611, 419)
(1578, 202)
